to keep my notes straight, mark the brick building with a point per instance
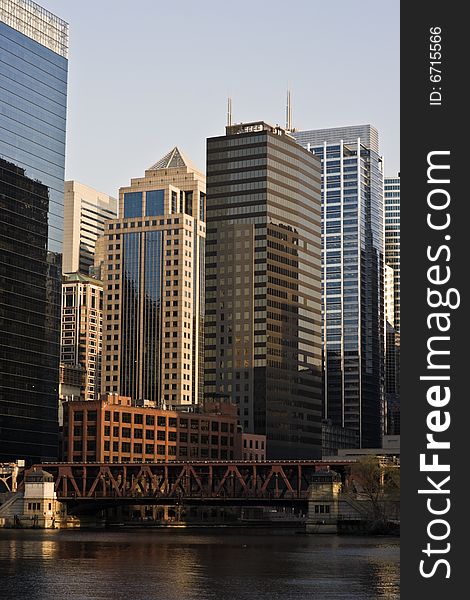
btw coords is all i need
(253, 447)
(113, 430)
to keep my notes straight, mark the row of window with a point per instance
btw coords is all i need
(161, 421)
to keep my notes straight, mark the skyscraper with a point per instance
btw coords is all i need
(263, 285)
(33, 92)
(353, 271)
(392, 260)
(85, 211)
(392, 358)
(82, 313)
(392, 237)
(153, 274)
(389, 296)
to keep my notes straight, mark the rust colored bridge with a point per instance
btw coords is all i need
(220, 482)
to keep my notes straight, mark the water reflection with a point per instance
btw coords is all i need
(185, 565)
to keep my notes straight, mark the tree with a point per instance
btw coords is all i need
(378, 483)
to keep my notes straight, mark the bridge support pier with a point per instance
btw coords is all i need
(323, 502)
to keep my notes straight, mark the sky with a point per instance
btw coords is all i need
(148, 75)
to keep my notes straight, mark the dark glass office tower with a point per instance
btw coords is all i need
(353, 277)
(263, 285)
(33, 88)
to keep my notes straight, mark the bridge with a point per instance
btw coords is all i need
(203, 482)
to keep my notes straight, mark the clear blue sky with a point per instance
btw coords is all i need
(147, 75)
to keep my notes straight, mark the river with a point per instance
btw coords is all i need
(189, 564)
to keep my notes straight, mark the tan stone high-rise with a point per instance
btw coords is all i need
(85, 211)
(80, 343)
(154, 286)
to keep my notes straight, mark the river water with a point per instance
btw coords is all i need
(189, 564)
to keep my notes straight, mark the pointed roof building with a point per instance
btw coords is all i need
(175, 159)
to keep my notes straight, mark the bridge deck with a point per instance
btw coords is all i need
(182, 481)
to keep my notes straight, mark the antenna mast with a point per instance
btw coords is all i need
(289, 112)
(229, 111)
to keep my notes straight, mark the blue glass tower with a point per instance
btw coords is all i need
(352, 277)
(33, 93)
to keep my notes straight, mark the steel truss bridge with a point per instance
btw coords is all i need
(211, 483)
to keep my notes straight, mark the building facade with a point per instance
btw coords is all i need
(353, 277)
(153, 272)
(253, 447)
(33, 92)
(392, 260)
(392, 237)
(263, 288)
(85, 211)
(113, 430)
(81, 339)
(392, 358)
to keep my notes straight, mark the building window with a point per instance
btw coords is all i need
(174, 202)
(202, 206)
(132, 204)
(155, 203)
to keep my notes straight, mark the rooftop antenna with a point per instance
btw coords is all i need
(229, 112)
(289, 112)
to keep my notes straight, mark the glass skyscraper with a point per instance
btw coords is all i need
(392, 237)
(392, 260)
(263, 285)
(33, 92)
(353, 272)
